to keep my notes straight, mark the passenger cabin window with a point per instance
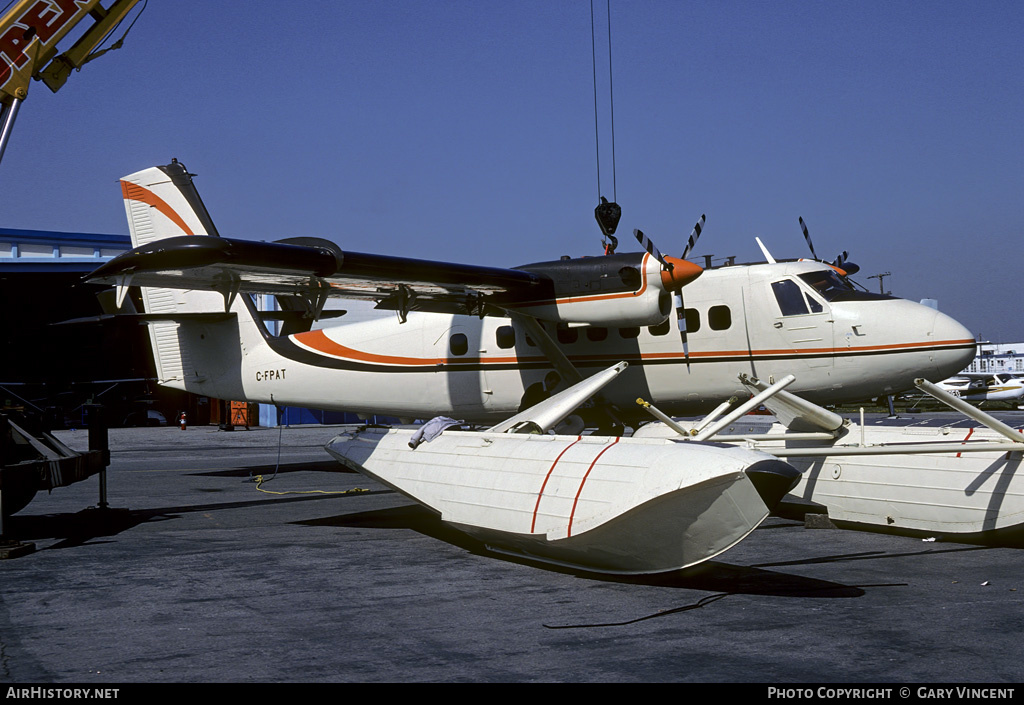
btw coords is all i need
(692, 320)
(719, 317)
(790, 298)
(628, 333)
(458, 344)
(506, 337)
(567, 335)
(596, 334)
(660, 329)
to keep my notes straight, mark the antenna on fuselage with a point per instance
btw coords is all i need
(767, 254)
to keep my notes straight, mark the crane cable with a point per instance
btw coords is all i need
(611, 97)
(607, 214)
(97, 53)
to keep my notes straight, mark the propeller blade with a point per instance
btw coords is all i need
(693, 237)
(840, 261)
(807, 237)
(846, 265)
(652, 250)
(681, 318)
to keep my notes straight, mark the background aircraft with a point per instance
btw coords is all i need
(980, 387)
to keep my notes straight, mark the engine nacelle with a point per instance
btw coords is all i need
(614, 291)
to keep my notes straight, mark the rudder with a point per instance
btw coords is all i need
(162, 202)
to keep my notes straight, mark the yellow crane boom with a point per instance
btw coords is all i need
(29, 34)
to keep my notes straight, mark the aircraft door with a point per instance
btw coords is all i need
(802, 323)
(461, 349)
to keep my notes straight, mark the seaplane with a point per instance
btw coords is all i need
(981, 387)
(532, 356)
(479, 343)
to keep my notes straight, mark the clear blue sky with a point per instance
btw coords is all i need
(464, 131)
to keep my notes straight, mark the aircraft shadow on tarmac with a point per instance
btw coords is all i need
(86, 526)
(712, 576)
(330, 465)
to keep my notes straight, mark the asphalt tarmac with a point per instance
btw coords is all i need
(196, 574)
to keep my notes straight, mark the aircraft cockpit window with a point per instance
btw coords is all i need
(506, 337)
(791, 299)
(458, 344)
(831, 286)
(719, 318)
(827, 283)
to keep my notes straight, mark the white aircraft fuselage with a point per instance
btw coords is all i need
(852, 347)
(478, 343)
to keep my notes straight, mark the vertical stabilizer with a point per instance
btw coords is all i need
(162, 202)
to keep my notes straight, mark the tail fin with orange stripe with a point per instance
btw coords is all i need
(162, 202)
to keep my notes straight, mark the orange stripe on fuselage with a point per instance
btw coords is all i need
(134, 192)
(317, 341)
(803, 351)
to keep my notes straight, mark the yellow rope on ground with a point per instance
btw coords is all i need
(355, 490)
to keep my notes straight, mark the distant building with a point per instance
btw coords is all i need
(998, 357)
(47, 251)
(58, 367)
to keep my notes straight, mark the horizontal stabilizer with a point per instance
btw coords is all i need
(195, 317)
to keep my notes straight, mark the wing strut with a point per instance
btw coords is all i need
(559, 361)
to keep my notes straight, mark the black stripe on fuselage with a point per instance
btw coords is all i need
(287, 348)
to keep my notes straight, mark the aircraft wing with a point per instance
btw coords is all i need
(315, 270)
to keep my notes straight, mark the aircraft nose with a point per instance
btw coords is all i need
(955, 346)
(772, 479)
